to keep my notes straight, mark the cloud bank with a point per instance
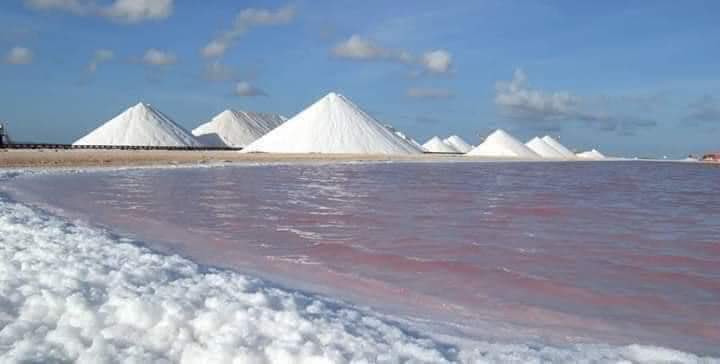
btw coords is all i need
(101, 56)
(156, 57)
(246, 89)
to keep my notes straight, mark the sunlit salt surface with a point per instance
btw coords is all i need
(561, 253)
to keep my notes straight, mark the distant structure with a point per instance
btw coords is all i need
(711, 157)
(4, 137)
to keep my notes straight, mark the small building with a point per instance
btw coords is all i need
(711, 157)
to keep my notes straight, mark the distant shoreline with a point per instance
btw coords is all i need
(49, 158)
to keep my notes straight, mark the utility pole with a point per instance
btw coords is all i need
(4, 137)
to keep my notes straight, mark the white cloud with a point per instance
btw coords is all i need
(438, 61)
(428, 93)
(518, 100)
(130, 11)
(133, 11)
(244, 88)
(358, 48)
(244, 21)
(156, 57)
(101, 56)
(19, 55)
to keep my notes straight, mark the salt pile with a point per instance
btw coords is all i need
(502, 144)
(140, 125)
(436, 145)
(458, 143)
(591, 154)
(543, 149)
(236, 129)
(559, 147)
(333, 124)
(405, 137)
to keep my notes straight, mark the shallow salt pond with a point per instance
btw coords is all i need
(556, 253)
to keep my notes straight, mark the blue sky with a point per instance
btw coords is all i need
(627, 77)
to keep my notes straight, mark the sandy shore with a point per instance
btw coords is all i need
(95, 158)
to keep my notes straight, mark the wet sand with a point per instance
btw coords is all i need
(94, 158)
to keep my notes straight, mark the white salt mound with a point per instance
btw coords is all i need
(333, 124)
(458, 143)
(436, 145)
(236, 129)
(543, 149)
(502, 144)
(591, 154)
(140, 125)
(559, 147)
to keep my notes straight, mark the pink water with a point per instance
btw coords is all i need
(564, 252)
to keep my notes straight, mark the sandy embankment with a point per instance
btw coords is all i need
(94, 158)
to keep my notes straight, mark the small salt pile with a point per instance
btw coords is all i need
(458, 143)
(236, 129)
(591, 154)
(436, 145)
(140, 125)
(501, 144)
(543, 149)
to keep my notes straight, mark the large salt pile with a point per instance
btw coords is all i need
(559, 147)
(333, 124)
(436, 145)
(502, 144)
(591, 154)
(543, 149)
(236, 129)
(140, 125)
(458, 143)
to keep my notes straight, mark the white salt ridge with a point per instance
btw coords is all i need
(236, 129)
(458, 143)
(140, 125)
(436, 145)
(333, 124)
(591, 154)
(559, 147)
(502, 144)
(72, 293)
(543, 149)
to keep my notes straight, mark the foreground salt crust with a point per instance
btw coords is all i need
(458, 143)
(559, 147)
(543, 149)
(71, 293)
(140, 125)
(436, 145)
(236, 129)
(333, 124)
(502, 144)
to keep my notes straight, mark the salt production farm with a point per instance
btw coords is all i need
(440, 252)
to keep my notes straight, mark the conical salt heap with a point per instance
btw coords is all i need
(559, 147)
(458, 143)
(333, 124)
(436, 145)
(236, 129)
(504, 145)
(140, 125)
(543, 149)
